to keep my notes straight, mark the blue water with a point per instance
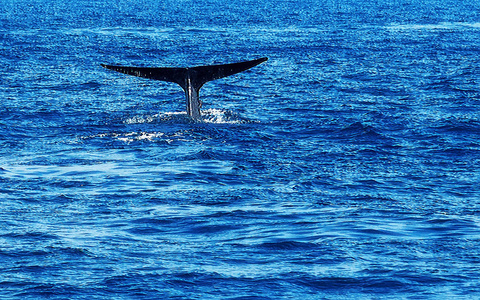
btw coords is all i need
(345, 167)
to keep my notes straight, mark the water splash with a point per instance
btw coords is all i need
(221, 116)
(214, 116)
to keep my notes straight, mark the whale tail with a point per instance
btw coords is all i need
(190, 79)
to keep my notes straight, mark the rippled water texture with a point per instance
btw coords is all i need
(345, 167)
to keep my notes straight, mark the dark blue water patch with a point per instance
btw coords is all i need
(361, 132)
(287, 246)
(184, 285)
(345, 285)
(155, 221)
(129, 285)
(72, 252)
(456, 153)
(75, 87)
(212, 229)
(459, 126)
(452, 227)
(35, 236)
(34, 254)
(219, 224)
(45, 290)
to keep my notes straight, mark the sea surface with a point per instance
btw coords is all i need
(345, 167)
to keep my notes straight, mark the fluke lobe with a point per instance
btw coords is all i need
(190, 79)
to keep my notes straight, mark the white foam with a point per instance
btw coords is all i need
(139, 136)
(439, 26)
(215, 116)
(219, 116)
(153, 118)
(212, 116)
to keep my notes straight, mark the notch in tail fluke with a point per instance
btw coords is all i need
(190, 79)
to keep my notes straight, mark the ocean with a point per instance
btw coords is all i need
(347, 166)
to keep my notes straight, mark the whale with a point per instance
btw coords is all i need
(190, 79)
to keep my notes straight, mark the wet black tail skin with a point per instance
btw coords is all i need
(190, 79)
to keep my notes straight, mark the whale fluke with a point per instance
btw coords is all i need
(190, 79)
